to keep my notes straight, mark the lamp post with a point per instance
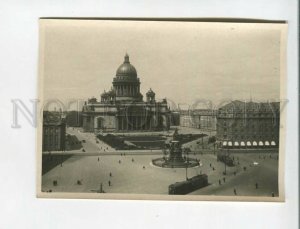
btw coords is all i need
(214, 148)
(187, 164)
(225, 160)
(225, 165)
(186, 178)
(101, 188)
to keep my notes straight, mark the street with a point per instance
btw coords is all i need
(129, 176)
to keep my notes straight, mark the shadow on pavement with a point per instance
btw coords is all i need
(50, 161)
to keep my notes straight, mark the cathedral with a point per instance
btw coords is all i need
(123, 109)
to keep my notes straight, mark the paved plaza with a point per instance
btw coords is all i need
(135, 174)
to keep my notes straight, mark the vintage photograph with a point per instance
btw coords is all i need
(158, 109)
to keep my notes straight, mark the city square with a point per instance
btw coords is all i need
(132, 171)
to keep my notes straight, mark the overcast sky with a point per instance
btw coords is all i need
(180, 61)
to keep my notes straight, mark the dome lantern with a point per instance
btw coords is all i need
(126, 59)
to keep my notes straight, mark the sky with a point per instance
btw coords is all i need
(184, 62)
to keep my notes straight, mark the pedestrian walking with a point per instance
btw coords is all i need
(213, 168)
(109, 183)
(110, 174)
(273, 194)
(144, 167)
(234, 190)
(224, 179)
(234, 173)
(132, 160)
(98, 158)
(210, 165)
(119, 161)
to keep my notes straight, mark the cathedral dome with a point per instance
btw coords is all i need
(126, 70)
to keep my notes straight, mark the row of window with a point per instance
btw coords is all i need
(243, 124)
(238, 114)
(242, 137)
(51, 130)
(259, 129)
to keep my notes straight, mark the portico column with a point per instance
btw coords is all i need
(136, 122)
(145, 122)
(140, 123)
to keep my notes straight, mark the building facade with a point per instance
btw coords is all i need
(54, 132)
(248, 124)
(123, 108)
(204, 119)
(175, 118)
(73, 119)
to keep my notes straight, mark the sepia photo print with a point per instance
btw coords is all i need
(161, 109)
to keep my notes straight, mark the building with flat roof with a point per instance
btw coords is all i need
(54, 131)
(248, 124)
(204, 119)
